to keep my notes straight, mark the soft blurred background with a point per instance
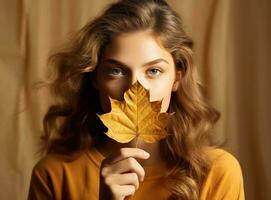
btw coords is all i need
(232, 51)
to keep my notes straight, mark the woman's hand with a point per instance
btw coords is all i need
(120, 174)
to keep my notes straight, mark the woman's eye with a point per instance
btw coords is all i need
(116, 71)
(154, 72)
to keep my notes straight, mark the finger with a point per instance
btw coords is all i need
(125, 153)
(123, 179)
(127, 165)
(123, 190)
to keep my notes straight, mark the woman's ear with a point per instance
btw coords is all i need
(177, 81)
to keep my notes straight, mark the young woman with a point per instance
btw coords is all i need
(133, 40)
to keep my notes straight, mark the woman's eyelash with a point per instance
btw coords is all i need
(151, 70)
(118, 71)
(115, 71)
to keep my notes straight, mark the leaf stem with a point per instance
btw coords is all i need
(136, 141)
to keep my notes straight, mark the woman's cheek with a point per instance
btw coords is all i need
(165, 103)
(115, 89)
(162, 91)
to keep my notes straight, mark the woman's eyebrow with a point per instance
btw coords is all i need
(117, 62)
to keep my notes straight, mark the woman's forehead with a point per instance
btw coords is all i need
(141, 46)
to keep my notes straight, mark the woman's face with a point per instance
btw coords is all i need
(131, 57)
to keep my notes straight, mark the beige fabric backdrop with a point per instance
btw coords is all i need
(233, 47)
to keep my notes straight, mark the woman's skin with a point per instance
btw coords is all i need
(128, 58)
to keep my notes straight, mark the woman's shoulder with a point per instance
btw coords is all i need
(222, 159)
(223, 164)
(55, 173)
(225, 175)
(55, 162)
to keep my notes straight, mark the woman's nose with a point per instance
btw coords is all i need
(129, 80)
(138, 76)
(134, 77)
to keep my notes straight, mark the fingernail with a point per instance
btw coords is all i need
(146, 154)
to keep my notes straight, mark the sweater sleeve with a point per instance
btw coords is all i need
(225, 180)
(39, 185)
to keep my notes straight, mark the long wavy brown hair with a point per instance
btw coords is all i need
(71, 124)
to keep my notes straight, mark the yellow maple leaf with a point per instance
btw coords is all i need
(136, 117)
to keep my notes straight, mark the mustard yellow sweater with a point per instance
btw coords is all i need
(59, 177)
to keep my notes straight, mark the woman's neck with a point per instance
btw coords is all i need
(108, 146)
